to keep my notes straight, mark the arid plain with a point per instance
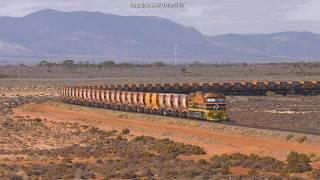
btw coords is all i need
(43, 137)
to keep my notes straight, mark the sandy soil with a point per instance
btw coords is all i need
(214, 142)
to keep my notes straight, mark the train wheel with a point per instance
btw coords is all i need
(188, 115)
(202, 116)
(164, 112)
(175, 113)
(183, 114)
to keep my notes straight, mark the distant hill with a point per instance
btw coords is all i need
(284, 45)
(51, 33)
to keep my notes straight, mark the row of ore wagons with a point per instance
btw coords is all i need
(166, 101)
(215, 86)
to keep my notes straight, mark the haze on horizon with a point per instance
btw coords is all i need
(210, 17)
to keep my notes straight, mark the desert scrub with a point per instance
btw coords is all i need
(168, 147)
(316, 174)
(290, 136)
(301, 139)
(95, 130)
(125, 131)
(296, 163)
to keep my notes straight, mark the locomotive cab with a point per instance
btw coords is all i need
(208, 106)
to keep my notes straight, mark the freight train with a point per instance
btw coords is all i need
(246, 88)
(198, 105)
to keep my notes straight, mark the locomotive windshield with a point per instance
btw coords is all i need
(215, 100)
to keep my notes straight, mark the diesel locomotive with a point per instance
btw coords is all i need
(198, 105)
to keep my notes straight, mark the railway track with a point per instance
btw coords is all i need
(232, 123)
(195, 100)
(229, 123)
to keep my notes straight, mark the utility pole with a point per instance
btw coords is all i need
(127, 43)
(175, 53)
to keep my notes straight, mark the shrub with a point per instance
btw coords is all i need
(183, 69)
(144, 139)
(166, 146)
(298, 163)
(289, 137)
(301, 139)
(37, 120)
(316, 174)
(252, 172)
(120, 138)
(203, 162)
(159, 63)
(125, 131)
(3, 75)
(67, 160)
(108, 133)
(252, 161)
(107, 63)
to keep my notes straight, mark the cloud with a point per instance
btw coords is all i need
(306, 12)
(208, 16)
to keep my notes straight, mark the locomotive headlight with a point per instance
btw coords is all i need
(215, 107)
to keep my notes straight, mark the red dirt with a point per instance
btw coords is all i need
(213, 142)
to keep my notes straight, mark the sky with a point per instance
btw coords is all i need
(211, 17)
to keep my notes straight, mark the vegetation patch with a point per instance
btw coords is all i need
(169, 147)
(296, 163)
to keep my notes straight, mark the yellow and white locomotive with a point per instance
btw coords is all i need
(198, 105)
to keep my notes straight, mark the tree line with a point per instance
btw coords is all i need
(108, 63)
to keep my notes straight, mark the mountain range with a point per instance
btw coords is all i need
(55, 34)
